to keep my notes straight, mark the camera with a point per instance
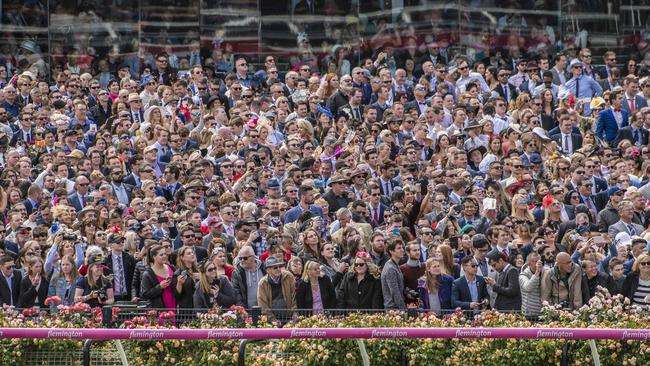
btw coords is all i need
(101, 295)
(69, 237)
(410, 294)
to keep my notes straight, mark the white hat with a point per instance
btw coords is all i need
(623, 238)
(541, 133)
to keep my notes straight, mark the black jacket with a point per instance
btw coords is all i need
(15, 289)
(327, 294)
(140, 268)
(150, 289)
(28, 293)
(630, 285)
(225, 299)
(128, 266)
(184, 298)
(366, 294)
(507, 290)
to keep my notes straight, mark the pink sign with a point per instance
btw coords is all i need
(348, 333)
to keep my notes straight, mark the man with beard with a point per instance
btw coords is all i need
(306, 194)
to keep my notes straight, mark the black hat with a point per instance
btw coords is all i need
(479, 240)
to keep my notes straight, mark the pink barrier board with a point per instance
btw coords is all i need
(324, 333)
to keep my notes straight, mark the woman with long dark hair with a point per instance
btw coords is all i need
(213, 289)
(94, 288)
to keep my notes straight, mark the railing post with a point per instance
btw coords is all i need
(565, 354)
(107, 316)
(256, 313)
(241, 353)
(86, 352)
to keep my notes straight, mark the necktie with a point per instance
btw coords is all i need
(82, 201)
(505, 252)
(505, 92)
(566, 144)
(387, 189)
(119, 277)
(630, 228)
(577, 87)
(636, 137)
(376, 215)
(11, 292)
(631, 101)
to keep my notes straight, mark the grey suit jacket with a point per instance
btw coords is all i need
(556, 76)
(621, 227)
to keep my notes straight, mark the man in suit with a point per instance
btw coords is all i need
(79, 196)
(386, 181)
(34, 194)
(25, 134)
(122, 265)
(354, 108)
(625, 224)
(612, 81)
(600, 184)
(610, 62)
(9, 281)
(502, 246)
(375, 206)
(560, 75)
(469, 292)
(566, 139)
(135, 109)
(419, 103)
(506, 286)
(189, 236)
(611, 119)
(635, 133)
(121, 190)
(631, 100)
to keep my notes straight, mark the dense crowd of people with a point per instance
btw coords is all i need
(407, 180)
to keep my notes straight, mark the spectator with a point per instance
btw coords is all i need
(63, 283)
(434, 288)
(412, 270)
(212, 290)
(392, 280)
(246, 277)
(564, 284)
(33, 288)
(122, 265)
(315, 293)
(159, 286)
(469, 292)
(506, 287)
(530, 283)
(94, 288)
(636, 286)
(276, 293)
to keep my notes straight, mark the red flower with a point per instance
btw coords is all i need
(55, 299)
(115, 230)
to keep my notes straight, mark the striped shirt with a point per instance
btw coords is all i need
(642, 290)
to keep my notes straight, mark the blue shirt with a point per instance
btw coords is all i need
(473, 289)
(587, 88)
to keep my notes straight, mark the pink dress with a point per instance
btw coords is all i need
(168, 293)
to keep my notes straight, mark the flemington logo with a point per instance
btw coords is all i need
(307, 333)
(388, 333)
(636, 334)
(64, 334)
(473, 333)
(225, 334)
(135, 334)
(554, 334)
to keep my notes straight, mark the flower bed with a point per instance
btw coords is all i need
(602, 312)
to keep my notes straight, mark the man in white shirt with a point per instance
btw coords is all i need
(466, 76)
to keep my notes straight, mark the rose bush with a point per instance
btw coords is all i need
(603, 311)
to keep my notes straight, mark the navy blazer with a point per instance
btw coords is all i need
(382, 209)
(576, 140)
(606, 127)
(460, 295)
(444, 293)
(626, 133)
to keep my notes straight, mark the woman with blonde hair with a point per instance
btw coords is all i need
(149, 188)
(220, 259)
(520, 210)
(63, 283)
(315, 292)
(435, 289)
(637, 284)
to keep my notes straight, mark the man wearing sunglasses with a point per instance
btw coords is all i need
(469, 292)
(9, 282)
